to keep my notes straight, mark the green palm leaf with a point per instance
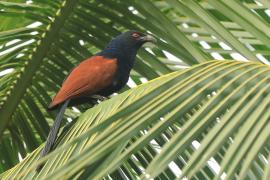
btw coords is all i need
(228, 110)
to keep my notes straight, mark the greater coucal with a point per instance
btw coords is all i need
(102, 74)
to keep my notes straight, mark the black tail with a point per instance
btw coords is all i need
(53, 133)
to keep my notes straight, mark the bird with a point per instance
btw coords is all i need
(100, 75)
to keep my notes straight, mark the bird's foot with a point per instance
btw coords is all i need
(100, 98)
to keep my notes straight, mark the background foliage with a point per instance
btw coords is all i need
(40, 41)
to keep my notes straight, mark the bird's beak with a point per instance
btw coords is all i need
(149, 38)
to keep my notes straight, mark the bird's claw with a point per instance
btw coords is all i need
(100, 98)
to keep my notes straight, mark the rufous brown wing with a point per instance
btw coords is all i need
(89, 77)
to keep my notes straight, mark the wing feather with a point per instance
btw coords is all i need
(89, 77)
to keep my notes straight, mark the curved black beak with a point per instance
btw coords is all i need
(148, 38)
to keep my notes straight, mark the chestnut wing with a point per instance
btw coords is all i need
(89, 77)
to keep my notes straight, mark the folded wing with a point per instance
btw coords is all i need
(89, 77)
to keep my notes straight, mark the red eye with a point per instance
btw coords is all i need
(135, 35)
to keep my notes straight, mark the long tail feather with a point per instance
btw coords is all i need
(53, 132)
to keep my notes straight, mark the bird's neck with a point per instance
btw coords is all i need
(124, 54)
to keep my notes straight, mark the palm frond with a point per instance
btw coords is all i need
(213, 113)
